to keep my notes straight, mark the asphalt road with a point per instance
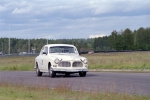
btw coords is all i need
(131, 83)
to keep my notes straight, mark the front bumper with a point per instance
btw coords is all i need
(70, 70)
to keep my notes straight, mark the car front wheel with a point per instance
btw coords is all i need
(52, 74)
(67, 74)
(82, 74)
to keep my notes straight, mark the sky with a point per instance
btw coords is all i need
(70, 19)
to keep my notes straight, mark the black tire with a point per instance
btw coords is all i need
(52, 74)
(38, 73)
(67, 74)
(82, 74)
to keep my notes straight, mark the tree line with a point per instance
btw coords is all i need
(124, 40)
(27, 45)
(118, 40)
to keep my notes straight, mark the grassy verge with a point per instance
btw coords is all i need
(20, 92)
(21, 63)
(121, 60)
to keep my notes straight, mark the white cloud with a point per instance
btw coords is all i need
(21, 10)
(46, 37)
(2, 8)
(71, 18)
(101, 7)
(96, 36)
(133, 5)
(118, 6)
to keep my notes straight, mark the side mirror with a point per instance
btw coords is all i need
(44, 53)
(80, 53)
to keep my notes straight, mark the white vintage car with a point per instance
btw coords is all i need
(60, 58)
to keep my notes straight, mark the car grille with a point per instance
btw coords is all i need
(77, 64)
(64, 64)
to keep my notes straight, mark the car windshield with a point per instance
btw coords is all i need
(62, 49)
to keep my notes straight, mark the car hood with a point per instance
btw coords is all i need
(67, 56)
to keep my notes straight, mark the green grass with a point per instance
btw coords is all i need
(132, 60)
(21, 92)
(121, 60)
(20, 63)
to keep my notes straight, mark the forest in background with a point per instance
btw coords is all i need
(118, 40)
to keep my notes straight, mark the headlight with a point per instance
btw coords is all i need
(57, 61)
(85, 61)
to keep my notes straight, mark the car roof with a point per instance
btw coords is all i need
(49, 45)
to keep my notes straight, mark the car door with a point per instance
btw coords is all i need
(40, 59)
(45, 59)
